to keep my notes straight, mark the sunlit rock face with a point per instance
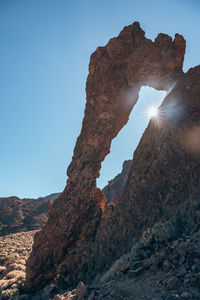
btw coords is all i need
(82, 237)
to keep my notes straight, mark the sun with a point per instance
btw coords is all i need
(153, 112)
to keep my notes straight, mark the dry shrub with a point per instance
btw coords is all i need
(17, 266)
(14, 251)
(4, 284)
(8, 293)
(21, 261)
(159, 233)
(15, 274)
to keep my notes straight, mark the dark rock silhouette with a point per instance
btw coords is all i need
(115, 187)
(82, 238)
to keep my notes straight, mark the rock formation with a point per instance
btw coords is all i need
(82, 238)
(115, 187)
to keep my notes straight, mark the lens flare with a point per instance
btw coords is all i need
(153, 112)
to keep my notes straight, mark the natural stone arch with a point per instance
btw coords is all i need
(116, 73)
(70, 244)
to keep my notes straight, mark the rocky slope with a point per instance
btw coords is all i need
(115, 187)
(165, 169)
(160, 266)
(17, 215)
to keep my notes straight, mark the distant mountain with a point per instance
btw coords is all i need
(17, 215)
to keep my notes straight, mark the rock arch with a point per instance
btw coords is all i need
(81, 238)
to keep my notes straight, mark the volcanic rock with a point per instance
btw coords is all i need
(171, 283)
(17, 215)
(115, 187)
(82, 237)
(157, 284)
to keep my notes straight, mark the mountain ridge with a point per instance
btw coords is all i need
(17, 215)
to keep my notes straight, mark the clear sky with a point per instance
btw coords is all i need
(45, 46)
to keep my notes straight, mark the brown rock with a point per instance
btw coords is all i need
(154, 267)
(123, 268)
(175, 261)
(182, 251)
(81, 290)
(175, 243)
(118, 293)
(18, 215)
(186, 295)
(171, 283)
(166, 265)
(90, 236)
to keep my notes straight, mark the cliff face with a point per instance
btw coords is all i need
(165, 170)
(81, 237)
(115, 187)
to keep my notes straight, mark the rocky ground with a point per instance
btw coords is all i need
(163, 270)
(161, 266)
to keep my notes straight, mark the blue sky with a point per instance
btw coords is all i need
(45, 46)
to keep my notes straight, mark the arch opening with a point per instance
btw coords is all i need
(127, 140)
